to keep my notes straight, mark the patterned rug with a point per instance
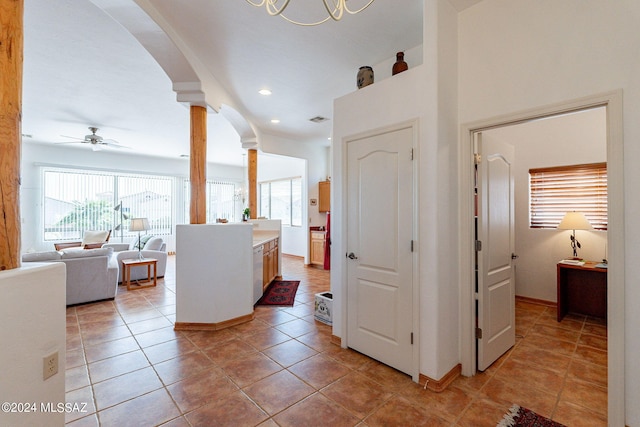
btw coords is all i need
(280, 292)
(523, 417)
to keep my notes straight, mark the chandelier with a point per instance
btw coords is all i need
(335, 8)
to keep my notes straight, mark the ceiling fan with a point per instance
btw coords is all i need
(96, 141)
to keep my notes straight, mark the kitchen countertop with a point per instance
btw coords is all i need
(260, 237)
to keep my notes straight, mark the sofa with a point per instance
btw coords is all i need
(152, 247)
(92, 274)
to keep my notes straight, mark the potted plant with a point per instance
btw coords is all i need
(245, 214)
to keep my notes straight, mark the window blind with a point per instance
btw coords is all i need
(558, 190)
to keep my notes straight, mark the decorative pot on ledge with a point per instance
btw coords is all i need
(400, 65)
(365, 76)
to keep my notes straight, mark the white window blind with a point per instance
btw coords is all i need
(558, 190)
(282, 199)
(222, 201)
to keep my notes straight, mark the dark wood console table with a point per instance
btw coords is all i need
(582, 289)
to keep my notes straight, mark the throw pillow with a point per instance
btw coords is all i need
(143, 241)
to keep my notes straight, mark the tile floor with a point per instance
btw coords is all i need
(125, 360)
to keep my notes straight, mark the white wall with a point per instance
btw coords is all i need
(273, 167)
(33, 315)
(317, 169)
(565, 140)
(426, 93)
(515, 56)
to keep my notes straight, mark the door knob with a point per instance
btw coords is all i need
(352, 256)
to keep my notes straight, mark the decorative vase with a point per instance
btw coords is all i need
(365, 76)
(400, 65)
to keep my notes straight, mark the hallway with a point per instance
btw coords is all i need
(131, 368)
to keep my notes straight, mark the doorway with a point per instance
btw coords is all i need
(612, 102)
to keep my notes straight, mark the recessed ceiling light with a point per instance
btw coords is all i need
(275, 121)
(264, 92)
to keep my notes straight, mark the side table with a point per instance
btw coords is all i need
(582, 289)
(127, 264)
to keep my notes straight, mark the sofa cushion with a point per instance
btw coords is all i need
(86, 253)
(153, 244)
(41, 256)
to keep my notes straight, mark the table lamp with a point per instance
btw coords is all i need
(575, 221)
(139, 225)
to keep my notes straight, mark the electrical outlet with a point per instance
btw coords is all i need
(49, 365)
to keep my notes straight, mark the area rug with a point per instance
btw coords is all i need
(280, 292)
(523, 417)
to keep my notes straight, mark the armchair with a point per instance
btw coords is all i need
(90, 240)
(155, 247)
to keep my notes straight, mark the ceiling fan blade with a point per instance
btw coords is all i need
(72, 137)
(70, 142)
(113, 143)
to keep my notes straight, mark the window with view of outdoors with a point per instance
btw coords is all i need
(558, 190)
(76, 201)
(282, 199)
(221, 201)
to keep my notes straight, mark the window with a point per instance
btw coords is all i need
(222, 200)
(77, 200)
(282, 200)
(555, 191)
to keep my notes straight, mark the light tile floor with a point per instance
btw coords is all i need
(125, 360)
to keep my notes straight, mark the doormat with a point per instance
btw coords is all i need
(523, 417)
(280, 292)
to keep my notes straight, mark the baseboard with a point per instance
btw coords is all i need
(187, 326)
(336, 340)
(443, 383)
(537, 301)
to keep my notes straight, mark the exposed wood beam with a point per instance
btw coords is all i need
(11, 55)
(198, 170)
(253, 185)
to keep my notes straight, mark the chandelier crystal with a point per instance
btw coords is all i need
(335, 8)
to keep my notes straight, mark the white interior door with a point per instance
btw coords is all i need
(379, 245)
(495, 229)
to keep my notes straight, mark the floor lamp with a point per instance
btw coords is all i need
(575, 221)
(119, 208)
(139, 225)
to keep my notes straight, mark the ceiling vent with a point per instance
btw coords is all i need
(318, 119)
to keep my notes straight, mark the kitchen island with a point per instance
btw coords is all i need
(216, 274)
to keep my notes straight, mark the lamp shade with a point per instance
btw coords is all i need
(575, 221)
(139, 224)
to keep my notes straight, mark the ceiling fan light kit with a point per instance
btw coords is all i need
(335, 9)
(97, 142)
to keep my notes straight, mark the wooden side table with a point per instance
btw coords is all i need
(582, 289)
(127, 264)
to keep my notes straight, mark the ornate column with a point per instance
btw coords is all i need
(11, 54)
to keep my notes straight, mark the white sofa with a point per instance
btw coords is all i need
(155, 247)
(92, 274)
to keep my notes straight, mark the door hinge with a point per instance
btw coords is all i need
(411, 338)
(412, 246)
(478, 333)
(478, 245)
(412, 154)
(477, 158)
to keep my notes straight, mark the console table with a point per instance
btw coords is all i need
(582, 289)
(135, 262)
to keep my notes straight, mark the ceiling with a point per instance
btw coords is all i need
(82, 68)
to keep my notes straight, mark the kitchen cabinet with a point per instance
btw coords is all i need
(317, 247)
(324, 196)
(269, 262)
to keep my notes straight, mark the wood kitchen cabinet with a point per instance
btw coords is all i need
(324, 196)
(317, 247)
(270, 262)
